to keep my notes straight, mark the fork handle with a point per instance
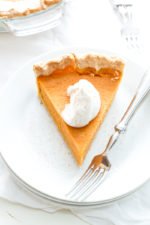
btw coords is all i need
(142, 91)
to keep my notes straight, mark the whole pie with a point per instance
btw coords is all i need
(53, 79)
(15, 8)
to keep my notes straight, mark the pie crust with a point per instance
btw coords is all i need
(15, 12)
(90, 63)
(53, 79)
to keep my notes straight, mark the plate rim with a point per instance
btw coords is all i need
(68, 203)
(34, 190)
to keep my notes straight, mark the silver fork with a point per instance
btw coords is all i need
(130, 33)
(100, 164)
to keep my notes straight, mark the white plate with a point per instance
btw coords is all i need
(36, 153)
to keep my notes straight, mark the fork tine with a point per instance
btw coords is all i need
(87, 189)
(138, 43)
(131, 35)
(128, 38)
(131, 42)
(82, 185)
(94, 185)
(134, 42)
(79, 182)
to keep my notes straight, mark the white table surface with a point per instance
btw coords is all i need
(13, 214)
(14, 52)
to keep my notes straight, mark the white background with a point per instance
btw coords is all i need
(85, 23)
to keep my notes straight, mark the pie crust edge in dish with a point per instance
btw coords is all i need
(13, 13)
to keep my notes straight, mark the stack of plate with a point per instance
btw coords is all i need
(38, 157)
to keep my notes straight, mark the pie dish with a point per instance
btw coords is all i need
(53, 79)
(17, 8)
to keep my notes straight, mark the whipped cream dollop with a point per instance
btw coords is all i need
(85, 103)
